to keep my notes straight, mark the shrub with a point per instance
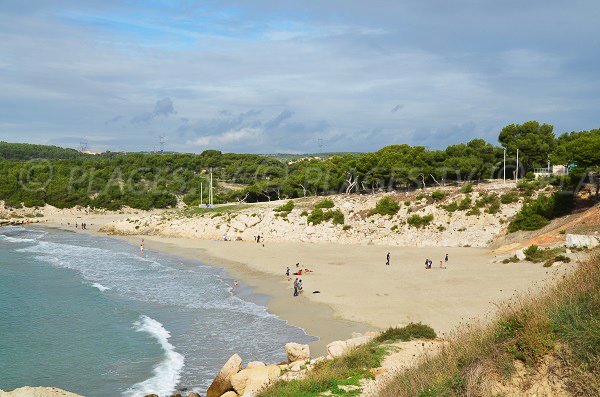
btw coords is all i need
(386, 206)
(407, 203)
(304, 213)
(494, 207)
(438, 195)
(465, 203)
(419, 221)
(537, 213)
(336, 216)
(347, 227)
(453, 206)
(287, 207)
(326, 203)
(466, 188)
(318, 216)
(474, 211)
(315, 217)
(509, 198)
(407, 333)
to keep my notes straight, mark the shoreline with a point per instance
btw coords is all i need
(357, 292)
(268, 289)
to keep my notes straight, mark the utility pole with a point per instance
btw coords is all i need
(210, 195)
(517, 169)
(162, 143)
(504, 168)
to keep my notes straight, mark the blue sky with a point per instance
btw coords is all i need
(280, 76)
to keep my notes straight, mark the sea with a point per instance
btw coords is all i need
(94, 316)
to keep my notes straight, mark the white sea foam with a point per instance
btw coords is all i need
(100, 287)
(168, 372)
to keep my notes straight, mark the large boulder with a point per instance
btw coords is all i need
(230, 394)
(337, 348)
(520, 255)
(248, 382)
(297, 352)
(255, 364)
(222, 382)
(581, 240)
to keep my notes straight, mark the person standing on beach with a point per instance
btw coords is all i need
(296, 287)
(387, 259)
(446, 259)
(142, 246)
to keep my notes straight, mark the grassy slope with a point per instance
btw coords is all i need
(562, 322)
(348, 370)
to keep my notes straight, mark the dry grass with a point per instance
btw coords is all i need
(566, 315)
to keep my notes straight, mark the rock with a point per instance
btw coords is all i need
(230, 394)
(297, 352)
(255, 364)
(297, 366)
(37, 392)
(581, 240)
(222, 382)
(250, 381)
(354, 342)
(337, 348)
(520, 255)
(372, 334)
(193, 394)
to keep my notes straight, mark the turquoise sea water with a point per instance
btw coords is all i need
(94, 316)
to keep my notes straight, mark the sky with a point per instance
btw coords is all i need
(269, 76)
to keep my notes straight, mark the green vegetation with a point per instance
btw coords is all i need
(386, 206)
(549, 255)
(326, 203)
(509, 198)
(34, 175)
(286, 208)
(349, 369)
(451, 207)
(465, 204)
(466, 188)
(318, 216)
(561, 324)
(409, 332)
(537, 213)
(418, 221)
(438, 195)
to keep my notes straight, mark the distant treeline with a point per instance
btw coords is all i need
(33, 175)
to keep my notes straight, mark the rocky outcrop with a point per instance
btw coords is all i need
(222, 382)
(248, 382)
(297, 352)
(582, 241)
(37, 392)
(447, 228)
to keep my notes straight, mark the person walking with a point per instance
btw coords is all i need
(387, 259)
(446, 259)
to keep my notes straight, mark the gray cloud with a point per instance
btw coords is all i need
(396, 108)
(162, 108)
(463, 70)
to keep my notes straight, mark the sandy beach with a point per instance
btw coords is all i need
(356, 290)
